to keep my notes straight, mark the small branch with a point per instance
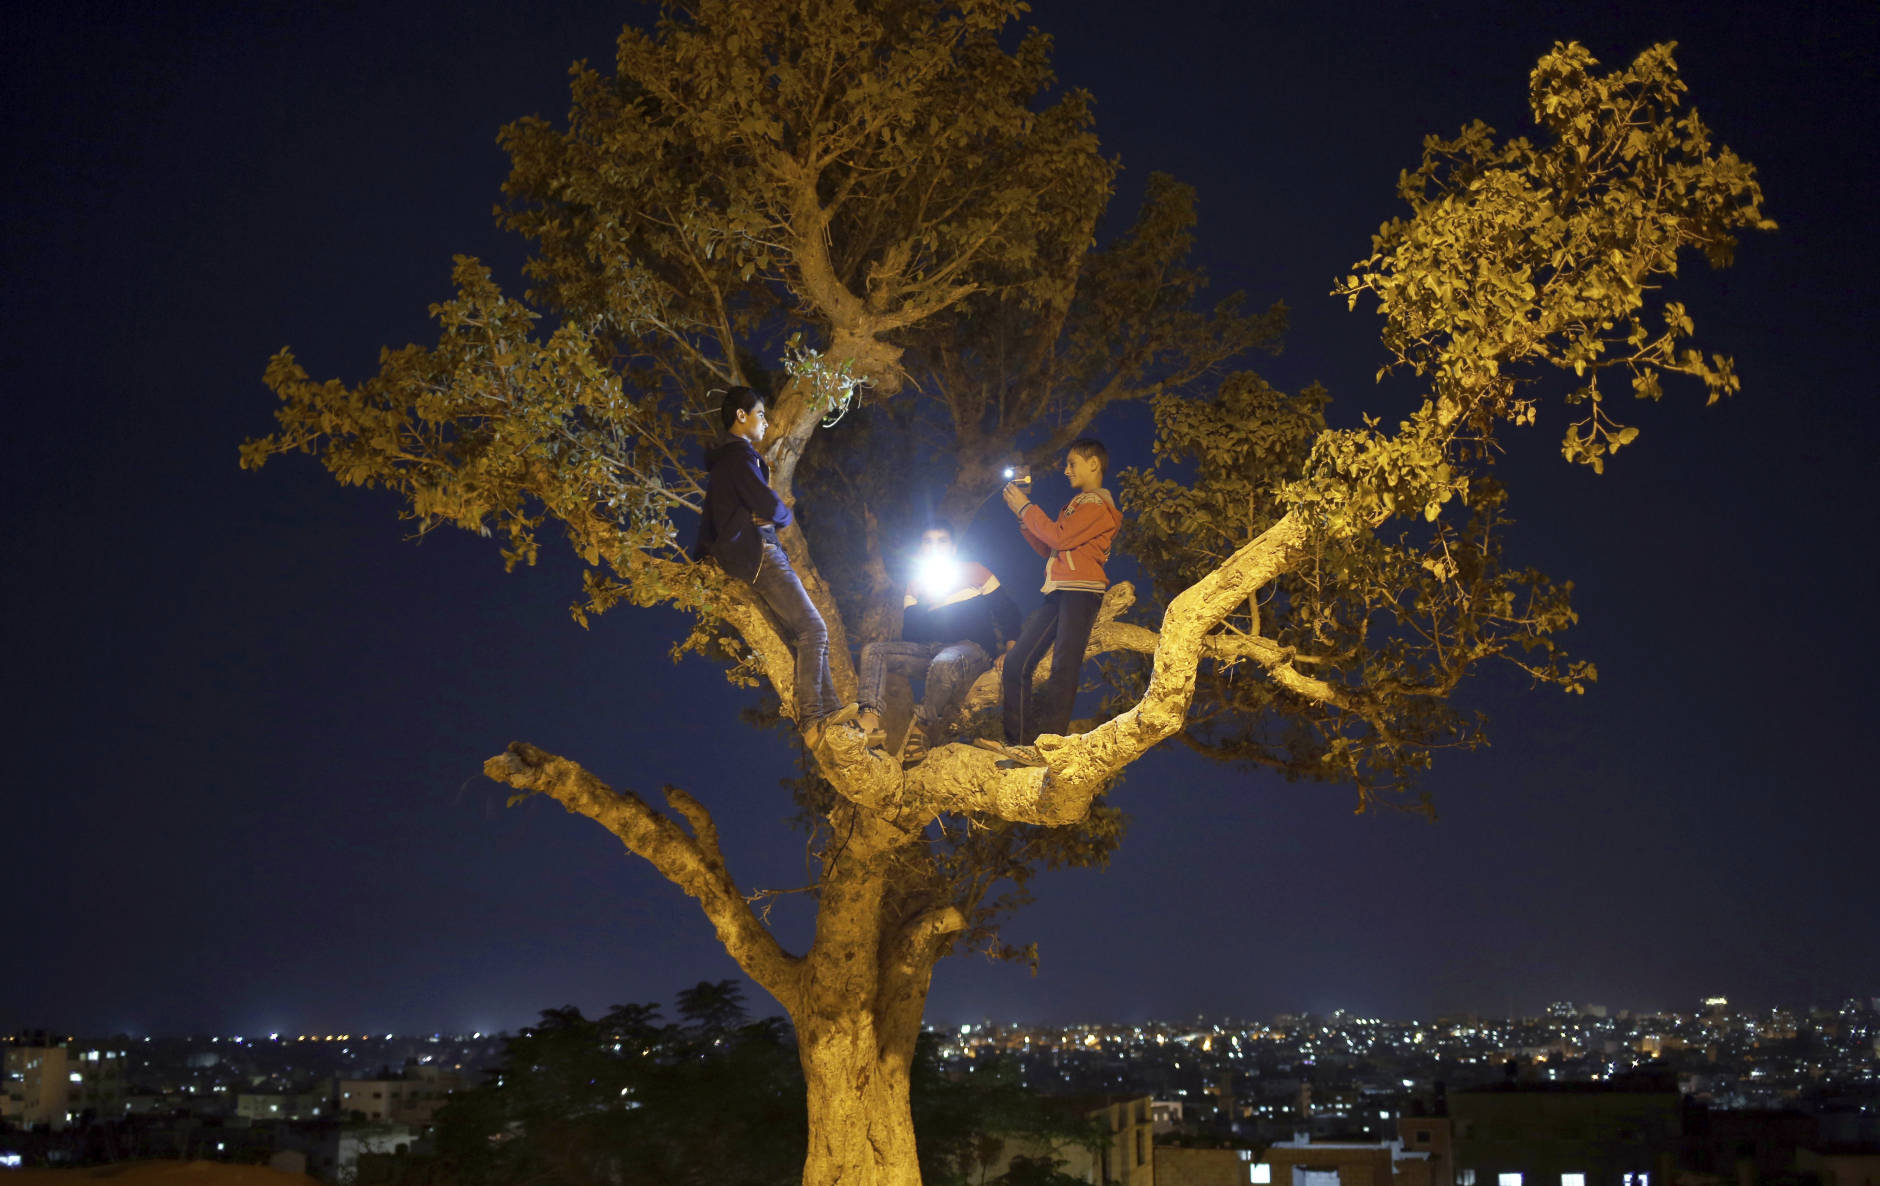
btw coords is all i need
(922, 930)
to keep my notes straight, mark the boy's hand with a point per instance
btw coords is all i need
(1015, 498)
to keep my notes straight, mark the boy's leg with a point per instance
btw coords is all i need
(1034, 643)
(953, 670)
(778, 585)
(881, 659)
(1077, 612)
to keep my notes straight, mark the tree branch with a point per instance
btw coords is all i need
(693, 863)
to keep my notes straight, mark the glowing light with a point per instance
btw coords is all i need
(936, 575)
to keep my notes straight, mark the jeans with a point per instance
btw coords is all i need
(1065, 619)
(949, 669)
(778, 585)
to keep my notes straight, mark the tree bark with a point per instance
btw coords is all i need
(857, 1013)
(861, 1131)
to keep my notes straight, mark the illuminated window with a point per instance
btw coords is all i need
(1572, 1180)
(1260, 1173)
(1639, 1179)
(1465, 1178)
(1507, 1180)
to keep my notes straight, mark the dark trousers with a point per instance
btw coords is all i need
(782, 591)
(1064, 619)
(948, 669)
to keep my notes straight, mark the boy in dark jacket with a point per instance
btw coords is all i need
(739, 530)
(955, 620)
(1075, 546)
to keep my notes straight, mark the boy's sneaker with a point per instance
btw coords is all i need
(841, 734)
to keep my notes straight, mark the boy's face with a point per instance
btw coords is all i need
(936, 543)
(751, 425)
(1084, 472)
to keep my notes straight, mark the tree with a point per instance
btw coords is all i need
(880, 215)
(623, 1099)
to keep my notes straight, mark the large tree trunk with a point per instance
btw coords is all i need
(857, 1016)
(861, 1131)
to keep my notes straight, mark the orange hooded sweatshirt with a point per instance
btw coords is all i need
(1077, 544)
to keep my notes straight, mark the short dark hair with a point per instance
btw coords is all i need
(737, 399)
(1091, 447)
(938, 524)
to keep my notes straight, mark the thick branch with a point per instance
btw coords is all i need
(1276, 659)
(693, 863)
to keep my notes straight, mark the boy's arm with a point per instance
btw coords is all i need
(1037, 545)
(1079, 523)
(755, 493)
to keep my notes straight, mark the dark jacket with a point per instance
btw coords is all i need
(978, 611)
(737, 498)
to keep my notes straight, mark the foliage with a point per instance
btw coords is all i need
(624, 1099)
(966, 1121)
(882, 214)
(1517, 258)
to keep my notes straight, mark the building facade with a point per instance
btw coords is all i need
(53, 1085)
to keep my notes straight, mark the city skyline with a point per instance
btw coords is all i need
(249, 713)
(1719, 1006)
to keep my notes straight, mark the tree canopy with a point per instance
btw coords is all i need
(882, 214)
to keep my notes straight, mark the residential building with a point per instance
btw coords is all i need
(413, 1098)
(52, 1085)
(1124, 1155)
(1623, 1133)
(1304, 1161)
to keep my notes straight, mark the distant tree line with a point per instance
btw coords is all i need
(629, 1099)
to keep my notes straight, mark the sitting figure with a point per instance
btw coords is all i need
(955, 620)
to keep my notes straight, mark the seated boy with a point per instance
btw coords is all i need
(1075, 546)
(954, 621)
(739, 530)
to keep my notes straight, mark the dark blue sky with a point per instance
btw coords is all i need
(246, 716)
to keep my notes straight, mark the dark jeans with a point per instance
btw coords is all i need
(948, 669)
(778, 585)
(1064, 619)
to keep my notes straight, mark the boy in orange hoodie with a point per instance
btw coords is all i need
(1075, 546)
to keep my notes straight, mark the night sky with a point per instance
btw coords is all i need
(246, 715)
